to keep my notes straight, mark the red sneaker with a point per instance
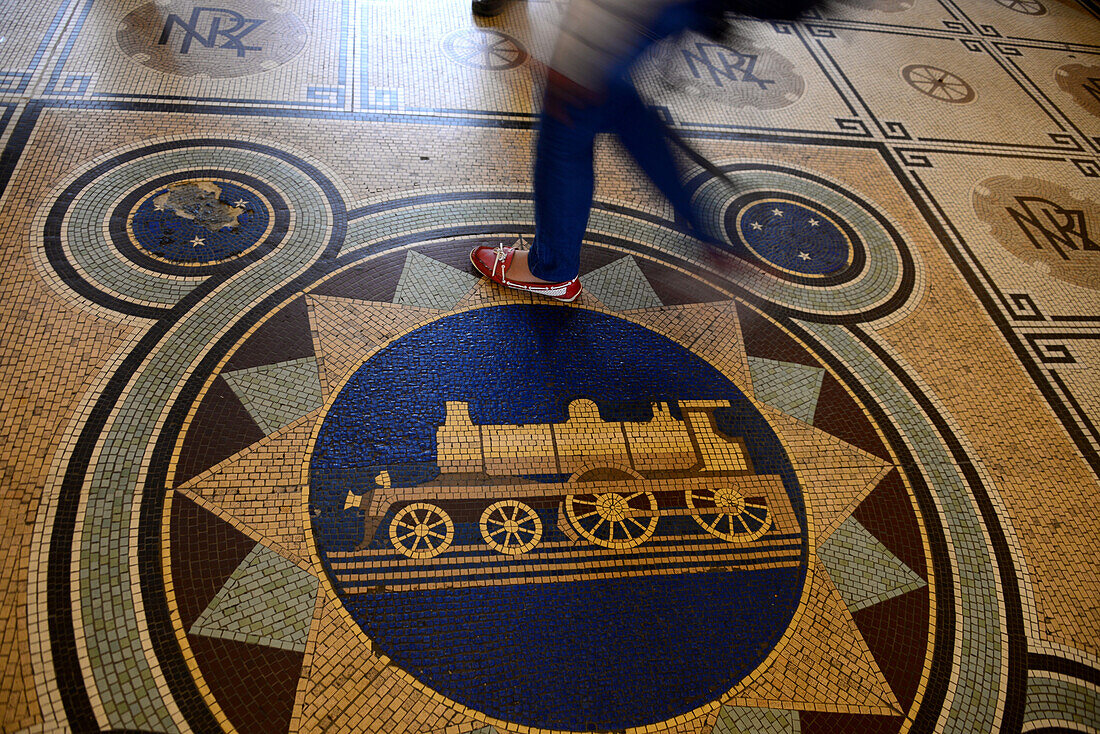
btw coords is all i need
(493, 262)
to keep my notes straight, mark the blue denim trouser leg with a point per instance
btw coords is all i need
(564, 178)
(643, 135)
(564, 181)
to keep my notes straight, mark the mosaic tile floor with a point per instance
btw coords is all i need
(277, 461)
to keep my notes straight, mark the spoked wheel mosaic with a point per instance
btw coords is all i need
(385, 494)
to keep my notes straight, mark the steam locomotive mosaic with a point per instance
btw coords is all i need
(661, 496)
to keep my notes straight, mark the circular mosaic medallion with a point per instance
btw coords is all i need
(938, 83)
(484, 48)
(793, 235)
(543, 516)
(518, 545)
(233, 38)
(175, 212)
(199, 221)
(827, 250)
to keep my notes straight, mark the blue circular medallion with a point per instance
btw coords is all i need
(200, 221)
(795, 237)
(567, 521)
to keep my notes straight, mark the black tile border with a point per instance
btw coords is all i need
(1064, 666)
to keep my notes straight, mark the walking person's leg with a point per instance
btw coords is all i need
(563, 186)
(564, 176)
(642, 133)
(564, 182)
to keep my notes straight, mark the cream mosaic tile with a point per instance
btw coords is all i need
(259, 490)
(254, 51)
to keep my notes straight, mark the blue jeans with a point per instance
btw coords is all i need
(564, 175)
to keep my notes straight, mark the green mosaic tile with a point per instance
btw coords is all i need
(741, 720)
(863, 570)
(621, 286)
(1050, 699)
(428, 283)
(276, 395)
(266, 601)
(791, 388)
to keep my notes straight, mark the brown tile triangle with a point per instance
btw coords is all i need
(220, 428)
(839, 414)
(236, 671)
(374, 280)
(675, 288)
(897, 642)
(283, 337)
(824, 722)
(822, 664)
(888, 514)
(205, 552)
(594, 258)
(766, 340)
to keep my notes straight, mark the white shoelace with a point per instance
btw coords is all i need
(501, 256)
